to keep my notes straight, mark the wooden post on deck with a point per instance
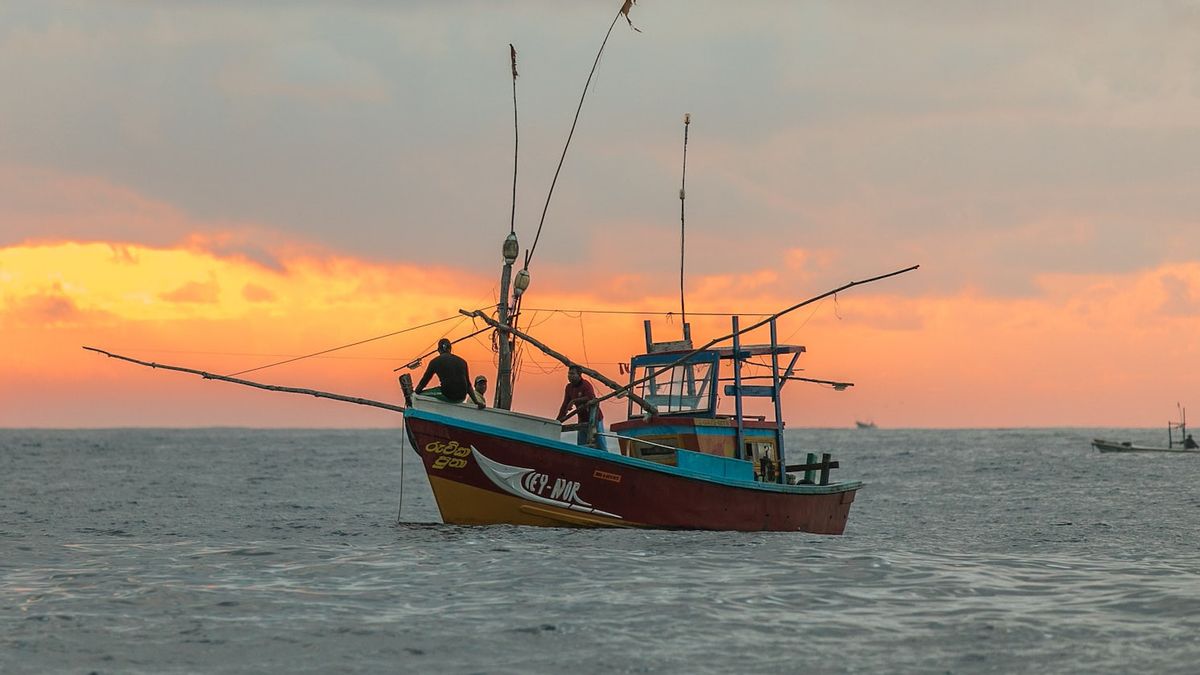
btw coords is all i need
(589, 431)
(406, 387)
(825, 457)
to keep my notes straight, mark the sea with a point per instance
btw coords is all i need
(316, 551)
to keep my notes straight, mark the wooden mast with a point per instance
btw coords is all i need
(504, 378)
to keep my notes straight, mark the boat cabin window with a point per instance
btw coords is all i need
(688, 388)
(765, 459)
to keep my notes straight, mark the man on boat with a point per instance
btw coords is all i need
(454, 378)
(480, 385)
(1190, 443)
(575, 397)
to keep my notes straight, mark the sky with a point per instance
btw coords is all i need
(226, 185)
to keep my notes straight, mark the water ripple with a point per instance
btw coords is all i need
(136, 555)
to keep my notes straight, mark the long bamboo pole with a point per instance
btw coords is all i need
(655, 373)
(611, 384)
(257, 385)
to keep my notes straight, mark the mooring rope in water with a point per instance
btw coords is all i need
(400, 507)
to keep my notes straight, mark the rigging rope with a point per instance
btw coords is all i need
(805, 322)
(583, 340)
(574, 122)
(346, 346)
(627, 312)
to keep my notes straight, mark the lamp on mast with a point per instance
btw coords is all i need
(521, 282)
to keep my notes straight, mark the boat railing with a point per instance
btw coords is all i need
(812, 466)
(815, 472)
(632, 439)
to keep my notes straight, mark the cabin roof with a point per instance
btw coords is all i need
(757, 350)
(713, 354)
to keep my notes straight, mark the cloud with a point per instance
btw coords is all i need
(1095, 348)
(256, 293)
(248, 243)
(309, 72)
(1182, 294)
(46, 309)
(201, 292)
(46, 205)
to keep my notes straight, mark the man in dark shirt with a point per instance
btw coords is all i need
(575, 397)
(453, 376)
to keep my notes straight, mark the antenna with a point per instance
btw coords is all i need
(510, 251)
(687, 120)
(512, 55)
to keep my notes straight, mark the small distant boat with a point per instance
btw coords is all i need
(1125, 446)
(864, 425)
(1184, 444)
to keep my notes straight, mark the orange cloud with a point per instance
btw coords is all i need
(194, 291)
(1093, 349)
(256, 293)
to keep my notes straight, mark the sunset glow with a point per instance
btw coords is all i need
(991, 358)
(272, 201)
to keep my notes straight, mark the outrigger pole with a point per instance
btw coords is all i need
(596, 375)
(627, 389)
(257, 385)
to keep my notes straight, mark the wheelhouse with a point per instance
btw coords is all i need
(686, 386)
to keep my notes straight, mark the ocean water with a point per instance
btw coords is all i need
(252, 551)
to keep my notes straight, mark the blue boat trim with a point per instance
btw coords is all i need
(700, 430)
(631, 462)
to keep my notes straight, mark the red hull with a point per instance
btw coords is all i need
(484, 475)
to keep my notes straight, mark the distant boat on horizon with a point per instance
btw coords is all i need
(865, 425)
(1184, 444)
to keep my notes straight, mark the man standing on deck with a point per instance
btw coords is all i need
(575, 397)
(453, 376)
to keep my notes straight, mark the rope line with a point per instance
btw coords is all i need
(346, 346)
(631, 312)
(400, 505)
(571, 134)
(805, 322)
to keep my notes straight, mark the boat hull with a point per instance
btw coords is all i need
(1114, 446)
(483, 475)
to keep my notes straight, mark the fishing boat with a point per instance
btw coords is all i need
(682, 463)
(1185, 443)
(859, 424)
(687, 456)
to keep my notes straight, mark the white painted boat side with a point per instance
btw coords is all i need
(533, 425)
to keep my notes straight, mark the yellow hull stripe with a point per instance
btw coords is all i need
(468, 505)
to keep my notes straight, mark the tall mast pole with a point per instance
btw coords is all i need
(504, 388)
(687, 120)
(504, 379)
